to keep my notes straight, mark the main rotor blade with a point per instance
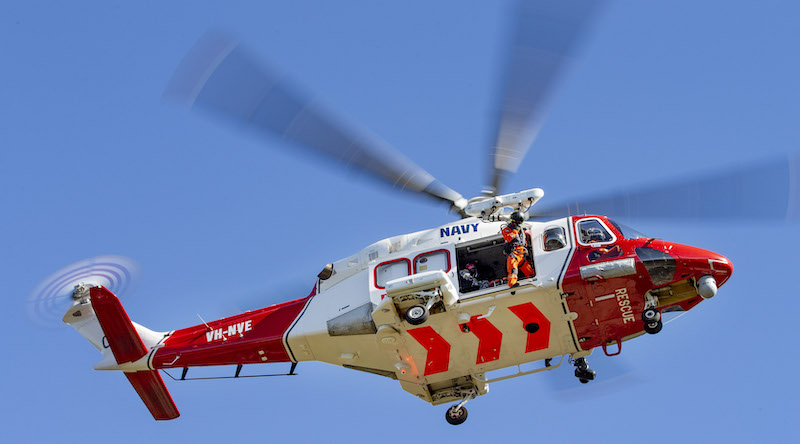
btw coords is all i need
(543, 41)
(219, 75)
(768, 191)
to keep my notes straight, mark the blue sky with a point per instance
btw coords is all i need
(94, 162)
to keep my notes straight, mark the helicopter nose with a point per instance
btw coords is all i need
(711, 270)
(723, 267)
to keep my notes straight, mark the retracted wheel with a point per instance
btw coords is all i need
(417, 314)
(456, 415)
(651, 315)
(653, 327)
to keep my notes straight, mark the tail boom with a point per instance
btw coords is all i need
(254, 337)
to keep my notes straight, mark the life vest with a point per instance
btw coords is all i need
(514, 237)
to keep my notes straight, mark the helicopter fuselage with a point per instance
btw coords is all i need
(590, 288)
(433, 310)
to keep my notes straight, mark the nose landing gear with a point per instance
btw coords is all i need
(652, 321)
(582, 370)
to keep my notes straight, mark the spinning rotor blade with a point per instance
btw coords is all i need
(768, 191)
(217, 74)
(48, 302)
(543, 42)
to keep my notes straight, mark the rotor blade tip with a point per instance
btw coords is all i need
(197, 65)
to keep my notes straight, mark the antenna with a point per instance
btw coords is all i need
(204, 322)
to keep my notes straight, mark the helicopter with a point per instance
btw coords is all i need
(429, 309)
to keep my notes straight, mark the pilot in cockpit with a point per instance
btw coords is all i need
(593, 235)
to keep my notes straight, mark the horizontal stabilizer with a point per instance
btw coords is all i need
(127, 346)
(151, 389)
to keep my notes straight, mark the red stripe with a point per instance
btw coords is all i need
(489, 339)
(438, 358)
(528, 313)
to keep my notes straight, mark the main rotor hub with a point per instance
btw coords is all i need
(489, 209)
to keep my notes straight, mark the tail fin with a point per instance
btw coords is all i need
(103, 321)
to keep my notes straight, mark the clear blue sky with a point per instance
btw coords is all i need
(93, 162)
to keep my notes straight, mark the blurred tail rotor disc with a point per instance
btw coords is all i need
(48, 302)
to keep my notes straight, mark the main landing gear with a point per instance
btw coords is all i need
(582, 370)
(652, 320)
(418, 314)
(457, 414)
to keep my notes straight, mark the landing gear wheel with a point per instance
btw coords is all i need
(583, 372)
(585, 375)
(417, 314)
(653, 327)
(651, 315)
(454, 416)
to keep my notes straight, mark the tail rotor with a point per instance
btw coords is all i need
(48, 302)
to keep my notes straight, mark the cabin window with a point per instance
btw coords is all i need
(387, 271)
(554, 239)
(592, 231)
(434, 260)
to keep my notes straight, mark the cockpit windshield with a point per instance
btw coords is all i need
(627, 232)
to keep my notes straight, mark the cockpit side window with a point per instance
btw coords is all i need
(591, 231)
(554, 239)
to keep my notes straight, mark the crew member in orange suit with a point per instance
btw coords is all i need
(516, 249)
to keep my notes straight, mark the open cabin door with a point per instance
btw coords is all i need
(482, 264)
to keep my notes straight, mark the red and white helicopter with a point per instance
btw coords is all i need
(432, 309)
